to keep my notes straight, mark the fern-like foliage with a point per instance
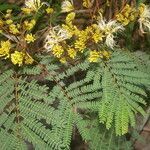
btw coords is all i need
(44, 104)
(123, 92)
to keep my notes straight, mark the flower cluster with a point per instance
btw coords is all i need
(17, 57)
(32, 6)
(19, 36)
(68, 41)
(67, 5)
(5, 49)
(127, 15)
(19, 33)
(6, 23)
(96, 55)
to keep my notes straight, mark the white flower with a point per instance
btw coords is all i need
(33, 4)
(144, 19)
(55, 36)
(67, 6)
(110, 28)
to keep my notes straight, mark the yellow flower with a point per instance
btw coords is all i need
(72, 53)
(141, 8)
(57, 50)
(144, 17)
(26, 10)
(127, 15)
(122, 19)
(97, 35)
(9, 21)
(70, 17)
(82, 38)
(33, 22)
(17, 58)
(34, 5)
(88, 3)
(30, 38)
(67, 6)
(80, 45)
(94, 56)
(29, 25)
(69, 27)
(49, 10)
(13, 29)
(5, 49)
(28, 59)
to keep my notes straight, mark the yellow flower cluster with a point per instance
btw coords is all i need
(30, 38)
(5, 49)
(13, 29)
(70, 17)
(141, 8)
(96, 34)
(17, 57)
(19, 32)
(69, 24)
(59, 46)
(127, 15)
(80, 43)
(26, 10)
(67, 40)
(9, 21)
(72, 52)
(96, 55)
(49, 10)
(57, 50)
(16, 32)
(8, 24)
(84, 37)
(28, 25)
